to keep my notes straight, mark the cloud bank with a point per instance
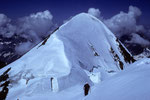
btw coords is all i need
(125, 24)
(33, 28)
(36, 24)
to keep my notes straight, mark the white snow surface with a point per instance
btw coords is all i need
(67, 56)
(130, 84)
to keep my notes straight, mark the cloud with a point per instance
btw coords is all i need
(33, 28)
(6, 27)
(95, 12)
(138, 40)
(39, 23)
(135, 11)
(24, 47)
(4, 19)
(125, 23)
(122, 23)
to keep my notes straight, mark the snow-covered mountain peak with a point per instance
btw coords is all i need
(82, 50)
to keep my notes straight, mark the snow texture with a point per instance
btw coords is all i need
(130, 84)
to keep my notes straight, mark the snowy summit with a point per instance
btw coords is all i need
(81, 51)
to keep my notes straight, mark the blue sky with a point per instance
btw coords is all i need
(63, 9)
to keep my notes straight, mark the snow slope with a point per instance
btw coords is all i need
(130, 84)
(82, 50)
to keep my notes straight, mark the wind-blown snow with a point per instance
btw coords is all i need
(82, 50)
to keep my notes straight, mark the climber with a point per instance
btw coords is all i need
(86, 89)
(52, 83)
